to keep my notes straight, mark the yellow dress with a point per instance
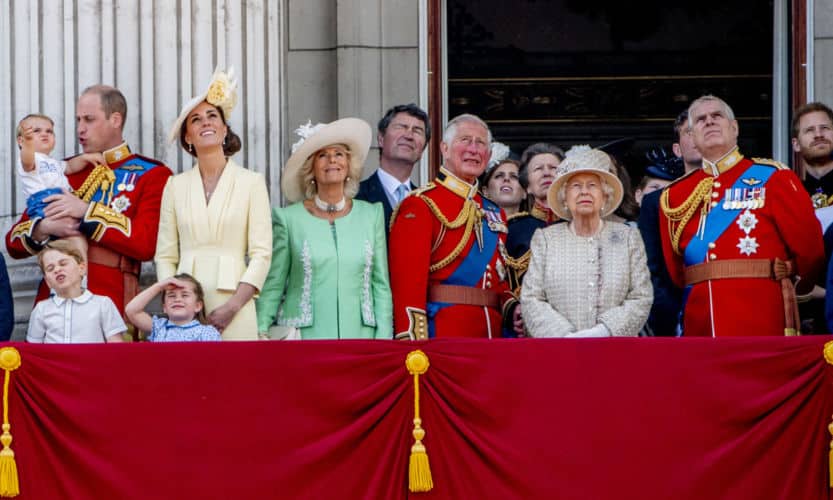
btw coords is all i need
(222, 243)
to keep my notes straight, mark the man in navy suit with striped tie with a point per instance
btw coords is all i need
(403, 134)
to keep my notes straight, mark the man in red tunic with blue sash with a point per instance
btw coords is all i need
(116, 205)
(448, 276)
(738, 234)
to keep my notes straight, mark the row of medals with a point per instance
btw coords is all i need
(742, 198)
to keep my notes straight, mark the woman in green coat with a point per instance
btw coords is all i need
(329, 272)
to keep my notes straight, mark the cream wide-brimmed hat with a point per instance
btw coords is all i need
(585, 160)
(221, 92)
(353, 133)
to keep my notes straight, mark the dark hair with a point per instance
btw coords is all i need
(680, 123)
(231, 144)
(198, 291)
(629, 208)
(112, 100)
(810, 107)
(539, 148)
(411, 109)
(486, 176)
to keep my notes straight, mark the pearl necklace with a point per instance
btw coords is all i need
(326, 207)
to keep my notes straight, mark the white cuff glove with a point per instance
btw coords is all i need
(598, 331)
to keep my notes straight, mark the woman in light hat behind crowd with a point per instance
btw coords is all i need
(501, 181)
(329, 274)
(588, 277)
(214, 222)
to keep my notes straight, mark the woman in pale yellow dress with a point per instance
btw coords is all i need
(215, 219)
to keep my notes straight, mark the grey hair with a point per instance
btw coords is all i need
(310, 187)
(451, 129)
(561, 197)
(706, 98)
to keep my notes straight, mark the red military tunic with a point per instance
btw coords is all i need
(121, 223)
(433, 241)
(774, 222)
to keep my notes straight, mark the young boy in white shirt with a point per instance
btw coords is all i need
(72, 315)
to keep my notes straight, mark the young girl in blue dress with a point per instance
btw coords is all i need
(182, 303)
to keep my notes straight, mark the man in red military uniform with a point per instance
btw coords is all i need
(116, 206)
(737, 233)
(446, 247)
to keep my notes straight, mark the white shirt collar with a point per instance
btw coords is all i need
(390, 183)
(84, 297)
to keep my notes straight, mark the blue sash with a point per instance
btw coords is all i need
(471, 269)
(717, 222)
(719, 219)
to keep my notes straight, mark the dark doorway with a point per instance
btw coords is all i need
(584, 72)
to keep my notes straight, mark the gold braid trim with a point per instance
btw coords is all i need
(678, 217)
(471, 213)
(468, 215)
(462, 218)
(101, 177)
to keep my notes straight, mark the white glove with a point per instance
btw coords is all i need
(598, 331)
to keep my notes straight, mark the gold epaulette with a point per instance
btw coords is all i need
(770, 162)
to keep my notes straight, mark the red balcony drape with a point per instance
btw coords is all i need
(741, 418)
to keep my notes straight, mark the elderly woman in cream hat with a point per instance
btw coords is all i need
(329, 274)
(214, 221)
(587, 277)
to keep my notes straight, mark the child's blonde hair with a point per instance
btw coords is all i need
(31, 115)
(63, 247)
(197, 291)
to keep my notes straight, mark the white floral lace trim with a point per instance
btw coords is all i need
(305, 319)
(367, 302)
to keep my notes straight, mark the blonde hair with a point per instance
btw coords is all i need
(63, 247)
(310, 187)
(31, 115)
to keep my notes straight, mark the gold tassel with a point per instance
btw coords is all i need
(9, 485)
(419, 471)
(828, 356)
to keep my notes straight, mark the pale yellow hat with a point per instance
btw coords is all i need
(584, 159)
(221, 92)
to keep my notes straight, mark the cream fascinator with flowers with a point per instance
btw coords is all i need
(584, 159)
(221, 92)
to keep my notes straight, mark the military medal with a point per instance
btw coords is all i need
(120, 204)
(748, 245)
(495, 222)
(819, 199)
(128, 182)
(747, 221)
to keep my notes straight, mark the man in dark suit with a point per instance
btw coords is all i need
(403, 133)
(665, 312)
